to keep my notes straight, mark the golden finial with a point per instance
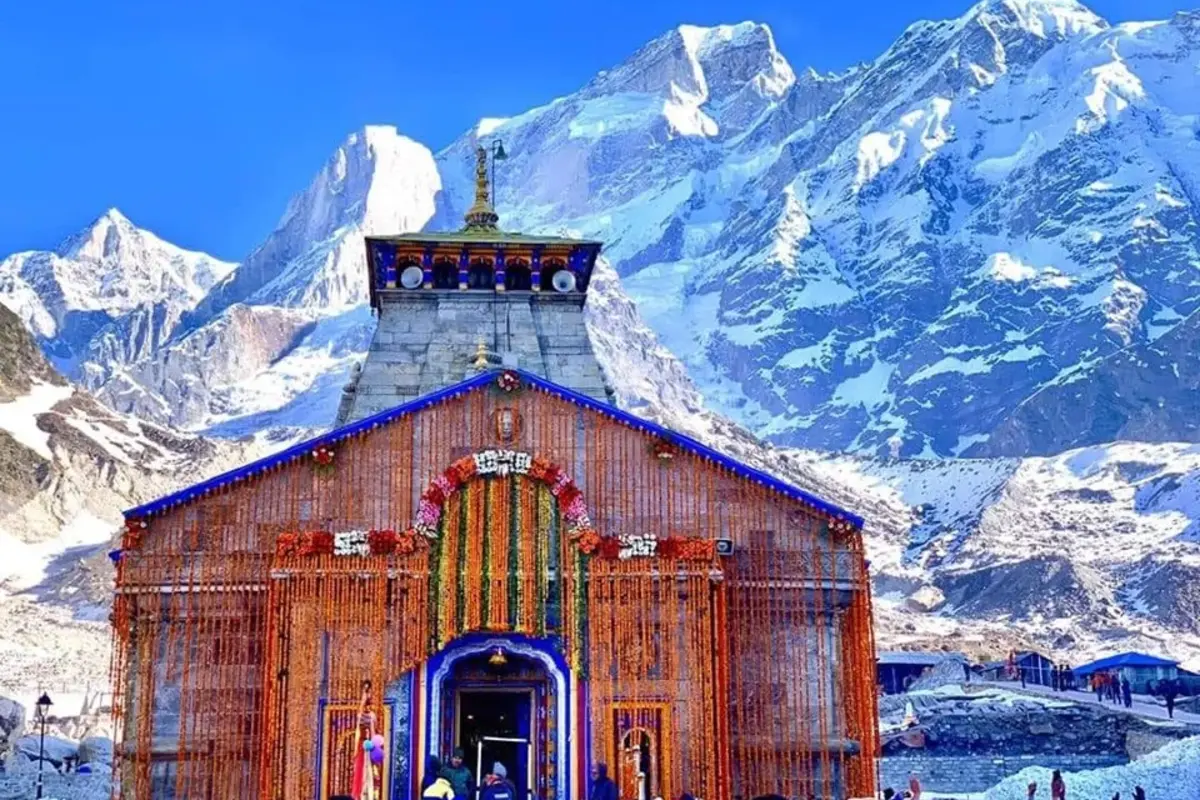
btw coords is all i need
(481, 216)
(481, 356)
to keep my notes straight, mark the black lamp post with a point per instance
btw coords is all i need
(498, 154)
(43, 708)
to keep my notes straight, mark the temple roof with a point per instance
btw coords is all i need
(477, 237)
(477, 383)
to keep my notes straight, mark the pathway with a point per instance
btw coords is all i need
(1143, 705)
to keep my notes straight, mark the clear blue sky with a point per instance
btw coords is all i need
(200, 119)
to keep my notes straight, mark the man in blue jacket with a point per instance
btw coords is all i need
(603, 787)
(497, 786)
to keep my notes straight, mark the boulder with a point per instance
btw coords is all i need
(925, 599)
(96, 750)
(12, 719)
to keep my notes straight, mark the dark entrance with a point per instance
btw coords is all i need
(498, 722)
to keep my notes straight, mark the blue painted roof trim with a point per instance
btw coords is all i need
(483, 379)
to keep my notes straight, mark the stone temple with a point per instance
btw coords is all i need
(485, 553)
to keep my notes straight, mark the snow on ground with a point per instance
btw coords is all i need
(1172, 773)
(24, 563)
(19, 417)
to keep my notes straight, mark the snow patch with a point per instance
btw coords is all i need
(20, 417)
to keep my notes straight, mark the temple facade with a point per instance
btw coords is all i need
(485, 553)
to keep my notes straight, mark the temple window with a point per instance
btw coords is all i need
(445, 275)
(481, 276)
(518, 277)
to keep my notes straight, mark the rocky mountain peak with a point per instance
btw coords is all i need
(705, 81)
(377, 181)
(104, 238)
(1051, 19)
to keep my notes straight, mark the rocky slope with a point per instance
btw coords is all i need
(68, 466)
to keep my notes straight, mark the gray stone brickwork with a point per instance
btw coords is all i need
(427, 340)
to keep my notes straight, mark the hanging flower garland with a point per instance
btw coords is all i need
(345, 543)
(134, 528)
(684, 548)
(501, 463)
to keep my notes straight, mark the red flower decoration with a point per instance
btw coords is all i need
(568, 493)
(316, 543)
(434, 494)
(663, 450)
(508, 381)
(382, 543)
(610, 547)
(323, 455)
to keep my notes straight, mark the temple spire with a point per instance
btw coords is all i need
(481, 217)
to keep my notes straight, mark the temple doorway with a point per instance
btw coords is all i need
(496, 725)
(502, 705)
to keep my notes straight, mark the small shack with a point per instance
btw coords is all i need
(1138, 668)
(896, 671)
(1036, 668)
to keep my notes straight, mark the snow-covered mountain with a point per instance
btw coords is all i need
(932, 252)
(108, 296)
(912, 250)
(983, 242)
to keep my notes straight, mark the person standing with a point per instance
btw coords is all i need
(1058, 787)
(603, 787)
(1170, 692)
(1097, 686)
(1126, 692)
(914, 786)
(497, 786)
(459, 774)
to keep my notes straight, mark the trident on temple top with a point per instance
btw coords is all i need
(481, 217)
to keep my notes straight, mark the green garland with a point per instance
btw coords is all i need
(514, 557)
(435, 575)
(486, 590)
(539, 569)
(460, 593)
(581, 627)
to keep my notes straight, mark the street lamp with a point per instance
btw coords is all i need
(498, 154)
(43, 708)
